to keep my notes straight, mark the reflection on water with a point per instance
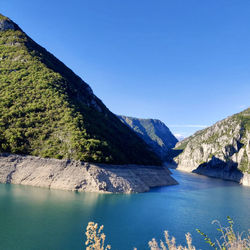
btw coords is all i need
(192, 182)
(38, 218)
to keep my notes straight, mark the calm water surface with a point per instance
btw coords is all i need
(36, 218)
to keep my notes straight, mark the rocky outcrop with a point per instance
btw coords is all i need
(79, 176)
(6, 25)
(222, 150)
(245, 181)
(154, 132)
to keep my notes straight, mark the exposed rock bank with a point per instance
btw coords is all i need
(78, 176)
(225, 174)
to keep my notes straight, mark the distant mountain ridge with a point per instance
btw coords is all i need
(154, 132)
(46, 110)
(222, 150)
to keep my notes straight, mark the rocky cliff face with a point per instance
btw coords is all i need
(154, 132)
(78, 176)
(222, 150)
(6, 25)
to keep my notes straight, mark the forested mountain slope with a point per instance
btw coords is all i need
(46, 110)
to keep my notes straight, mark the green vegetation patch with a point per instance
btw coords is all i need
(244, 118)
(244, 164)
(3, 17)
(182, 146)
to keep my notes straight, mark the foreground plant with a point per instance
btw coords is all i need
(171, 243)
(229, 240)
(95, 237)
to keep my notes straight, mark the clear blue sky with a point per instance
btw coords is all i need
(185, 62)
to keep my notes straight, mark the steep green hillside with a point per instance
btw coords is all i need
(46, 110)
(154, 132)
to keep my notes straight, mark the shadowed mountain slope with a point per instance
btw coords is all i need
(154, 132)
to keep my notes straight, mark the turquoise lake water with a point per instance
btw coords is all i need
(37, 218)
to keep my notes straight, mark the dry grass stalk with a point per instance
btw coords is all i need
(95, 237)
(170, 244)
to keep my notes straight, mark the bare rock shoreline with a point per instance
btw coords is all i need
(225, 174)
(81, 176)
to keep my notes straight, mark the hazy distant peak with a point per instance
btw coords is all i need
(179, 137)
